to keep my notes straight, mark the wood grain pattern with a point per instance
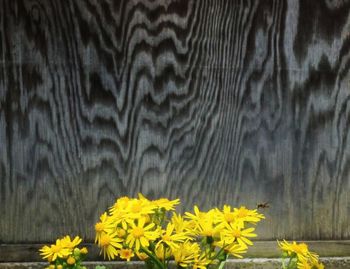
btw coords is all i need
(211, 101)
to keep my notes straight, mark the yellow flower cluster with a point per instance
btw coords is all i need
(65, 253)
(146, 229)
(299, 256)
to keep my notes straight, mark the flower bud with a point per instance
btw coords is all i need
(76, 252)
(59, 266)
(71, 260)
(84, 250)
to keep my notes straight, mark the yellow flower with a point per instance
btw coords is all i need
(162, 252)
(201, 263)
(226, 215)
(120, 232)
(84, 250)
(71, 260)
(235, 249)
(166, 204)
(142, 256)
(203, 223)
(109, 244)
(233, 233)
(105, 225)
(119, 211)
(186, 254)
(197, 214)
(139, 208)
(180, 224)
(120, 217)
(121, 204)
(301, 250)
(170, 239)
(70, 244)
(245, 215)
(126, 254)
(206, 227)
(303, 264)
(59, 266)
(57, 250)
(139, 236)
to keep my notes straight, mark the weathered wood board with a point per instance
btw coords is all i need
(211, 101)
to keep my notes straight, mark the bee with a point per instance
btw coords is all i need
(263, 205)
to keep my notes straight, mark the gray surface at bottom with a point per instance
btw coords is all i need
(256, 263)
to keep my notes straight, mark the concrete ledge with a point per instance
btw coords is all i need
(258, 263)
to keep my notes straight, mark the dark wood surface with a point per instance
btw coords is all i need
(211, 101)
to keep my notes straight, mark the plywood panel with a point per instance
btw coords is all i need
(214, 102)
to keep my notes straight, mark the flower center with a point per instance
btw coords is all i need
(301, 248)
(236, 233)
(208, 232)
(229, 217)
(121, 232)
(123, 202)
(99, 227)
(56, 248)
(105, 240)
(126, 252)
(166, 237)
(242, 213)
(136, 208)
(137, 232)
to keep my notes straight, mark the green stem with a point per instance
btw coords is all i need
(290, 260)
(283, 263)
(154, 258)
(218, 254)
(221, 264)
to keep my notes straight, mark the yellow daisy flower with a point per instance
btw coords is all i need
(142, 256)
(233, 249)
(70, 244)
(166, 203)
(126, 254)
(303, 264)
(55, 251)
(186, 254)
(120, 206)
(162, 252)
(180, 224)
(197, 214)
(301, 250)
(139, 236)
(226, 215)
(172, 239)
(105, 225)
(245, 215)
(233, 233)
(206, 227)
(109, 244)
(138, 208)
(201, 262)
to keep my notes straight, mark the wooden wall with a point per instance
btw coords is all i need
(211, 101)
